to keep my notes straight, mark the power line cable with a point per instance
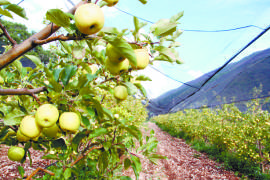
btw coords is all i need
(196, 30)
(226, 63)
(172, 78)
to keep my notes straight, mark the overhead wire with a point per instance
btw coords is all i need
(192, 30)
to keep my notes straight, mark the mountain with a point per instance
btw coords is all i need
(235, 83)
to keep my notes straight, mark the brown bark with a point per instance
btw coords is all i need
(27, 45)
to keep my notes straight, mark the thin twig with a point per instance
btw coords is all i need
(83, 155)
(61, 37)
(37, 170)
(12, 41)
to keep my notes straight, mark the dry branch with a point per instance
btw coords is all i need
(27, 45)
(23, 91)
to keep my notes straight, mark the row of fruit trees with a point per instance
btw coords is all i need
(79, 108)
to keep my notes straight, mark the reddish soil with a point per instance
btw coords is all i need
(183, 162)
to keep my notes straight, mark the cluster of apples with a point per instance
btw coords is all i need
(44, 122)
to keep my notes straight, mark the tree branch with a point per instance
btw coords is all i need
(27, 45)
(12, 41)
(37, 170)
(23, 91)
(61, 38)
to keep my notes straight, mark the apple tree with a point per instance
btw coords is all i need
(79, 108)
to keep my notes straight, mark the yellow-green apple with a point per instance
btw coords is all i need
(111, 2)
(51, 132)
(142, 57)
(29, 127)
(20, 137)
(89, 18)
(46, 115)
(120, 92)
(116, 68)
(113, 54)
(1, 80)
(69, 121)
(16, 153)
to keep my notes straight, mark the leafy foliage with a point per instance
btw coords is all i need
(106, 142)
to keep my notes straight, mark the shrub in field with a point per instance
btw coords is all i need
(69, 102)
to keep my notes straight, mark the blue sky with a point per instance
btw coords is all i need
(201, 52)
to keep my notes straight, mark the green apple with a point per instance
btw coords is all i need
(29, 127)
(142, 57)
(89, 18)
(51, 132)
(46, 115)
(16, 153)
(117, 68)
(113, 55)
(21, 138)
(111, 2)
(120, 92)
(69, 122)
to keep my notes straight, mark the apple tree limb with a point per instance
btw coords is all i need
(20, 49)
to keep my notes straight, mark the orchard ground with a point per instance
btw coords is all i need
(183, 162)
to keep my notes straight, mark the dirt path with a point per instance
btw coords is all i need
(182, 163)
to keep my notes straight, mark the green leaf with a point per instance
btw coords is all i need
(13, 118)
(163, 27)
(143, 1)
(127, 163)
(4, 2)
(58, 17)
(123, 47)
(5, 12)
(167, 54)
(17, 10)
(98, 132)
(110, 30)
(77, 139)
(66, 46)
(103, 161)
(69, 71)
(36, 60)
(177, 34)
(55, 85)
(176, 17)
(56, 73)
(136, 166)
(134, 131)
(21, 171)
(59, 143)
(86, 121)
(67, 173)
(141, 88)
(143, 78)
(130, 87)
(50, 156)
(136, 23)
